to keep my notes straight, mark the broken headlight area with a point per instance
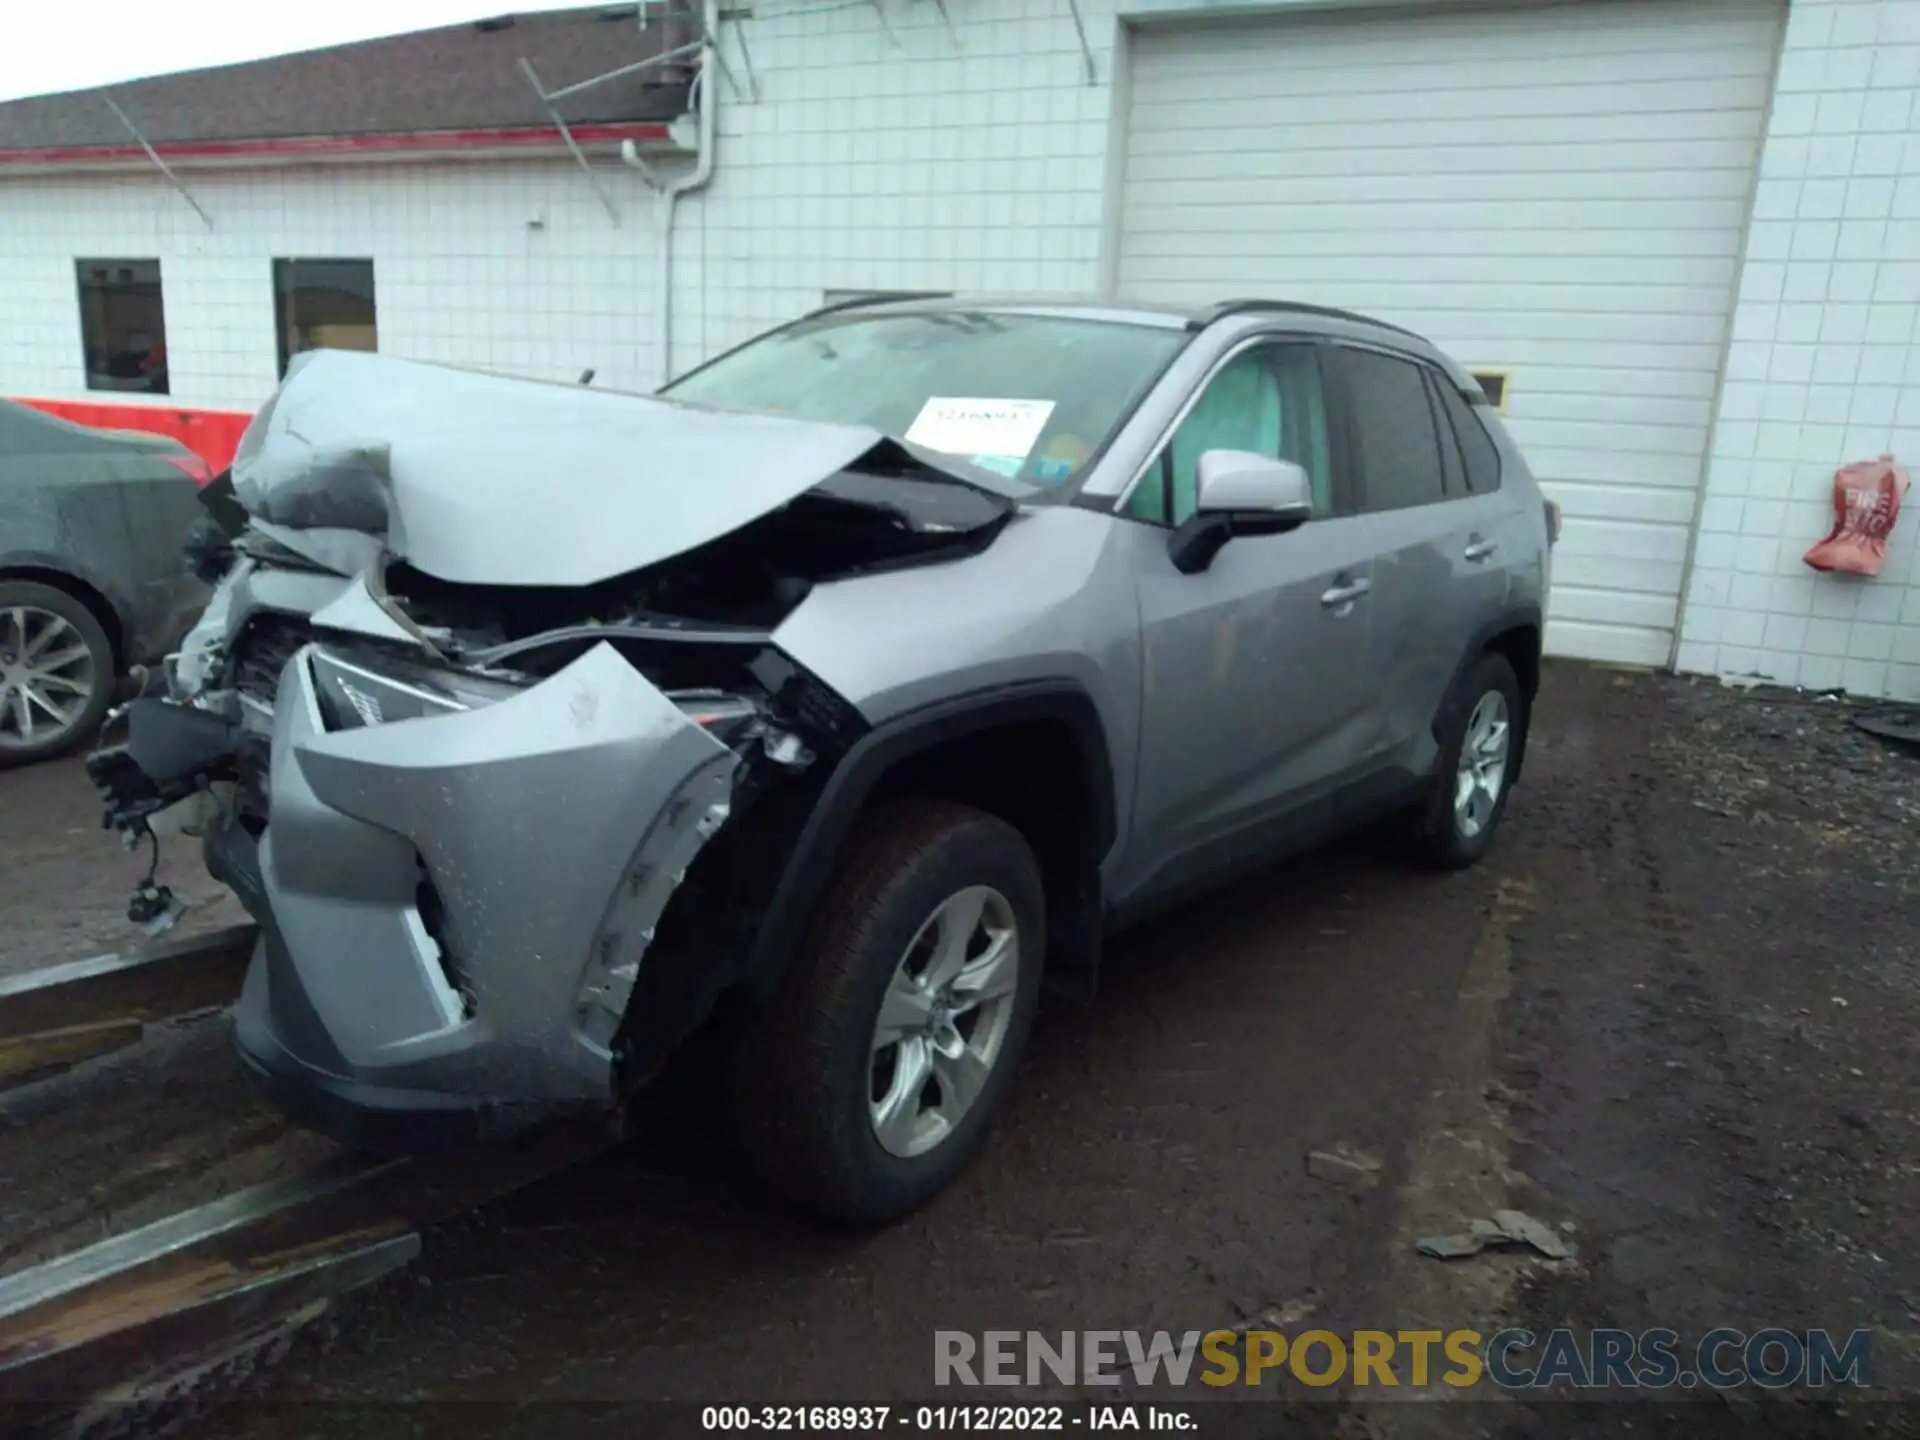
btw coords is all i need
(697, 627)
(771, 707)
(352, 693)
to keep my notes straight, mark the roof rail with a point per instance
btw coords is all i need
(883, 297)
(1225, 308)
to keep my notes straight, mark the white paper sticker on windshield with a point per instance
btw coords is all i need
(963, 425)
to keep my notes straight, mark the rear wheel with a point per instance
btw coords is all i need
(1485, 727)
(870, 1080)
(56, 672)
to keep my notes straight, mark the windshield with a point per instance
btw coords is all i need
(1031, 397)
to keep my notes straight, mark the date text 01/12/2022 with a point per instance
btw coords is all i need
(987, 1419)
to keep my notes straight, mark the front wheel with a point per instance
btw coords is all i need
(1486, 725)
(865, 1086)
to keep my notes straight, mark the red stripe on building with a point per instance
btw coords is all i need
(317, 147)
(213, 435)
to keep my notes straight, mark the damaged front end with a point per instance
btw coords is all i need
(508, 839)
(192, 748)
(461, 874)
(484, 850)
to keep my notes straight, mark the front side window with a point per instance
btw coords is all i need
(123, 325)
(1266, 400)
(1394, 433)
(1031, 397)
(323, 305)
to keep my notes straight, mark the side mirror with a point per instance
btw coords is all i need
(1239, 493)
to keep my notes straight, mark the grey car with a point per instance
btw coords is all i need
(843, 694)
(92, 576)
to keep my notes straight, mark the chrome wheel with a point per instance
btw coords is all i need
(1483, 764)
(943, 1021)
(47, 678)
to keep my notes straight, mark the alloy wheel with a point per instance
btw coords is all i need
(1483, 764)
(943, 1021)
(47, 677)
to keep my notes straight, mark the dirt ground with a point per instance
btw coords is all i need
(1713, 1045)
(170, 1122)
(64, 881)
(1675, 1014)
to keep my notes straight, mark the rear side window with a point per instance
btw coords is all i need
(1395, 439)
(1476, 446)
(1452, 467)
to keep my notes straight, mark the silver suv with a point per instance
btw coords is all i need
(842, 694)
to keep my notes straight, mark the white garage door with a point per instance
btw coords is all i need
(1559, 193)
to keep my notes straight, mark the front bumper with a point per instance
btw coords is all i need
(367, 1117)
(454, 908)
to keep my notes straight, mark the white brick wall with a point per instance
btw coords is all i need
(1823, 368)
(458, 274)
(867, 163)
(877, 160)
(871, 165)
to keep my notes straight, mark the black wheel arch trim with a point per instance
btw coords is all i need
(823, 837)
(1519, 617)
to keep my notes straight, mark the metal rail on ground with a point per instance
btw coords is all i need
(60, 1015)
(125, 1323)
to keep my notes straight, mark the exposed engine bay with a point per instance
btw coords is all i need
(696, 625)
(677, 619)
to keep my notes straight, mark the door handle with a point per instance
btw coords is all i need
(1345, 594)
(1478, 549)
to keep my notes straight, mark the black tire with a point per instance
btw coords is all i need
(29, 595)
(802, 1072)
(1440, 835)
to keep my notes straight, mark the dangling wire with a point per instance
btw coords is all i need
(153, 869)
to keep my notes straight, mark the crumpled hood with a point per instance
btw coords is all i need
(485, 479)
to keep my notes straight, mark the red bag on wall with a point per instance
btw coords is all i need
(1866, 501)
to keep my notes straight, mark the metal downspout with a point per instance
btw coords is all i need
(705, 97)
